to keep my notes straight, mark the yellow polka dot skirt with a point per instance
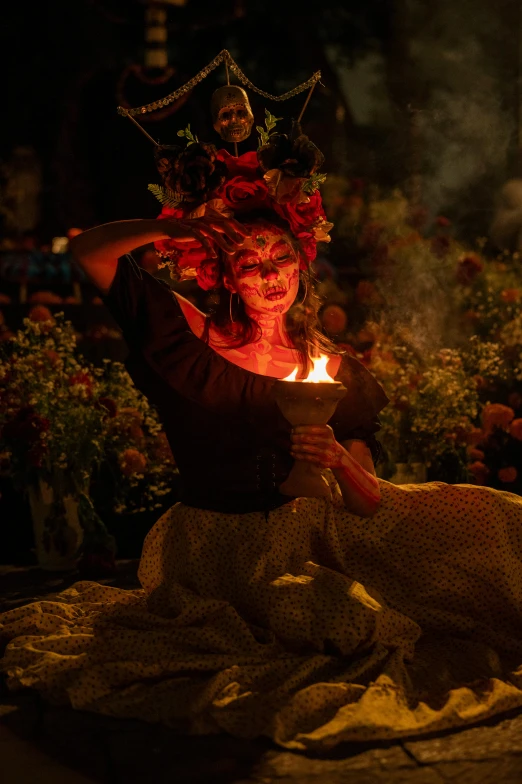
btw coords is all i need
(308, 625)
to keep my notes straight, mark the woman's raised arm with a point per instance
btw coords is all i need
(97, 250)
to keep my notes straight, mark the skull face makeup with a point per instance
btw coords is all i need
(231, 113)
(265, 272)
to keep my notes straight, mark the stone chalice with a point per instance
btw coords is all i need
(308, 402)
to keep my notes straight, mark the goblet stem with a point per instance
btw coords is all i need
(305, 480)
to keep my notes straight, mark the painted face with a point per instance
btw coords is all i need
(265, 272)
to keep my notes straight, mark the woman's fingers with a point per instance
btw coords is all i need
(193, 232)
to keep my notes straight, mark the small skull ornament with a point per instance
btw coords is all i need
(231, 113)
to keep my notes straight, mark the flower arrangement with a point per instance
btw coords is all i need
(66, 422)
(440, 324)
(200, 181)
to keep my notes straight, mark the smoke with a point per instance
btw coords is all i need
(462, 52)
(459, 50)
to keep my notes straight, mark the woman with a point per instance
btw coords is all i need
(378, 612)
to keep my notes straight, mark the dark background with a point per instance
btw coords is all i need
(447, 105)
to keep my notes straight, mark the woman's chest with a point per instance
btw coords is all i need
(261, 357)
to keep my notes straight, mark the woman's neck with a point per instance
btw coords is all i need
(272, 326)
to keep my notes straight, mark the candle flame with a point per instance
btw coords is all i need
(317, 375)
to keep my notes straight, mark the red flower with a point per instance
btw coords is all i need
(108, 405)
(245, 165)
(171, 212)
(26, 426)
(242, 194)
(304, 215)
(469, 267)
(308, 248)
(209, 274)
(442, 221)
(81, 379)
(475, 454)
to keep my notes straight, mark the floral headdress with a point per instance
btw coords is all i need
(199, 180)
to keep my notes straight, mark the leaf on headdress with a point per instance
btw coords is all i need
(189, 136)
(312, 183)
(270, 124)
(164, 195)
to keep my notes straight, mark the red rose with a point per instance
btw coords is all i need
(209, 274)
(469, 267)
(303, 215)
(245, 165)
(308, 248)
(171, 212)
(242, 194)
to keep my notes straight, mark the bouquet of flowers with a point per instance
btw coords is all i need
(65, 422)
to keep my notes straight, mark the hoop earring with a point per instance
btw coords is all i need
(230, 308)
(306, 292)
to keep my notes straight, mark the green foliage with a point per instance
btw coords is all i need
(188, 135)
(313, 183)
(268, 131)
(164, 195)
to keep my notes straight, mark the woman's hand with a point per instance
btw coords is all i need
(317, 444)
(359, 488)
(210, 230)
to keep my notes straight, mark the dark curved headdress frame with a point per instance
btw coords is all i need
(223, 57)
(198, 180)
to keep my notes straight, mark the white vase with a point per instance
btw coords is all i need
(56, 541)
(409, 474)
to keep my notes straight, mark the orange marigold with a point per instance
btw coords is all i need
(508, 474)
(40, 313)
(515, 429)
(510, 295)
(132, 462)
(479, 471)
(496, 415)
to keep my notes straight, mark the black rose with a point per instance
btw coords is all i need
(295, 155)
(191, 172)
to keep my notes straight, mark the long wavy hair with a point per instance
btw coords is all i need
(301, 321)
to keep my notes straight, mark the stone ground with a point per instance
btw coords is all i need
(40, 744)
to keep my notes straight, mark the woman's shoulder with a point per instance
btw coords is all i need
(196, 319)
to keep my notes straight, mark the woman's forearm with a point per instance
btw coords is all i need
(112, 240)
(359, 488)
